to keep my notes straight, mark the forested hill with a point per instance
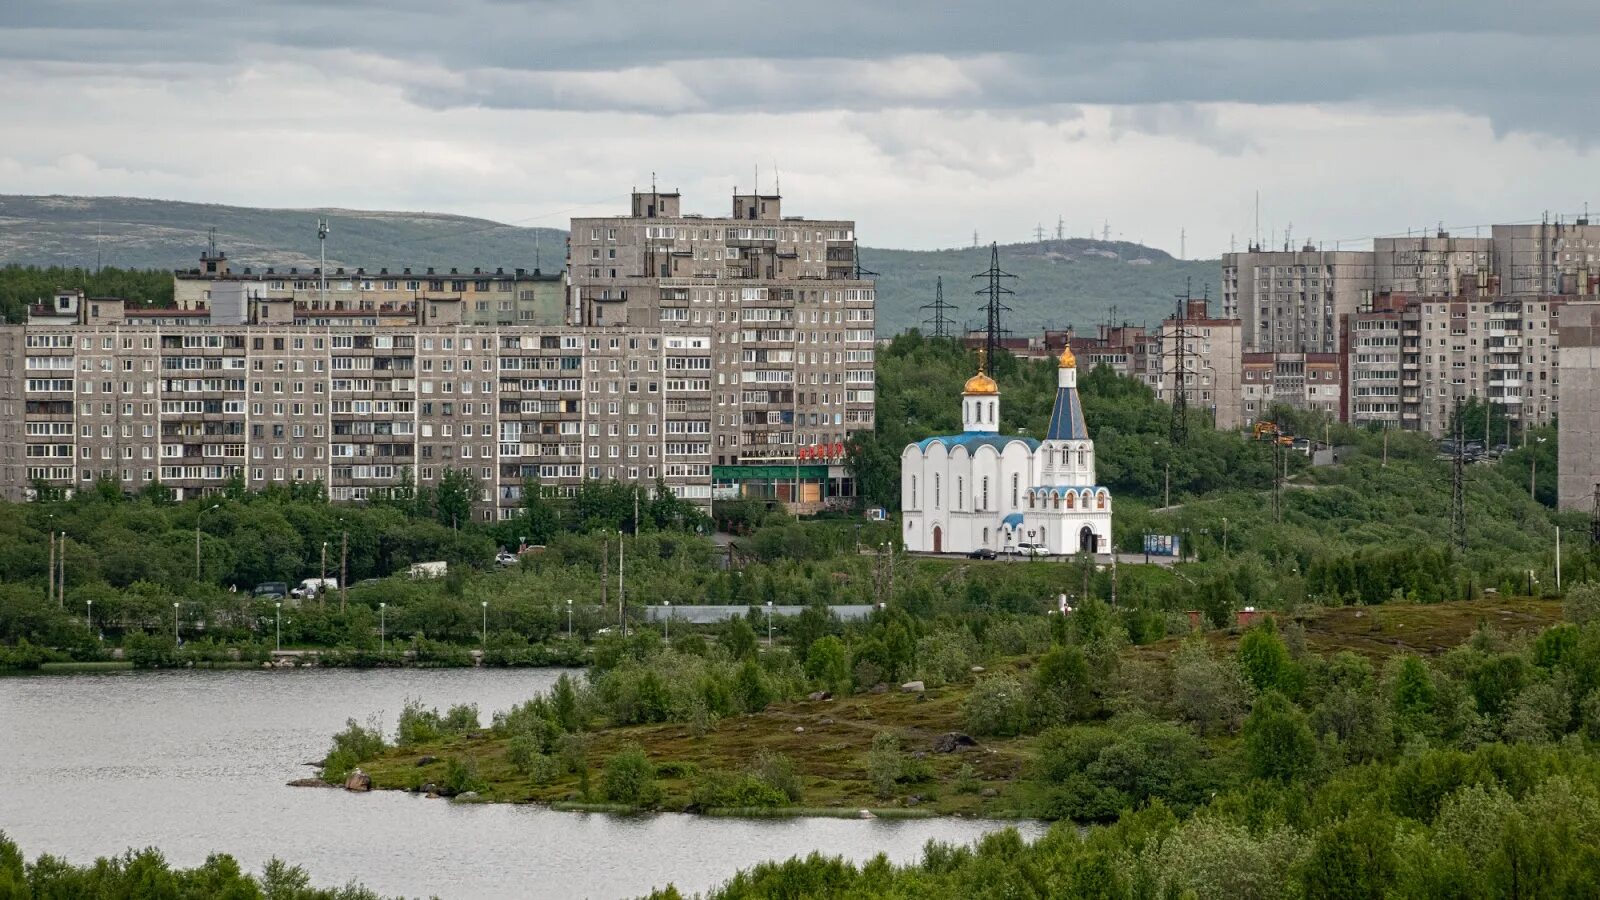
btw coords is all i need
(1059, 283)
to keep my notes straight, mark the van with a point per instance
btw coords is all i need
(314, 587)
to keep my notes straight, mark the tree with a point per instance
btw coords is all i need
(1353, 859)
(539, 517)
(1061, 687)
(1582, 603)
(828, 663)
(453, 497)
(885, 763)
(1265, 661)
(1278, 743)
(1414, 698)
(1204, 691)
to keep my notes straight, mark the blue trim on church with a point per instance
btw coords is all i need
(1012, 520)
(1066, 418)
(974, 439)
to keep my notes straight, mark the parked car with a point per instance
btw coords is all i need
(982, 553)
(506, 558)
(271, 590)
(1024, 548)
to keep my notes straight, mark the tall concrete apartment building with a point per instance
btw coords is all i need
(792, 327)
(1411, 357)
(518, 297)
(1290, 301)
(93, 392)
(1210, 359)
(1578, 481)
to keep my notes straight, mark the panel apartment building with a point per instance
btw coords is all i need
(518, 297)
(92, 391)
(792, 324)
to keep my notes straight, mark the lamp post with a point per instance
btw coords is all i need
(197, 517)
(666, 620)
(485, 605)
(1533, 473)
(323, 580)
(88, 614)
(569, 618)
(383, 636)
(278, 613)
(174, 621)
(769, 624)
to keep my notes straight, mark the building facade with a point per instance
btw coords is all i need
(518, 297)
(1205, 353)
(361, 409)
(1308, 381)
(1578, 482)
(984, 489)
(792, 326)
(1290, 301)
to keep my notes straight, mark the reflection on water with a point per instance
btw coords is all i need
(195, 762)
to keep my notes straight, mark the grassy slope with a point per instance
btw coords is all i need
(1059, 283)
(830, 752)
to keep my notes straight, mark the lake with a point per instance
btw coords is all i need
(194, 762)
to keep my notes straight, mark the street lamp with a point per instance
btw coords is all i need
(769, 624)
(666, 621)
(278, 606)
(485, 605)
(197, 537)
(174, 621)
(88, 614)
(383, 637)
(569, 618)
(1533, 473)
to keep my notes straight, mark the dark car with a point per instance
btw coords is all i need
(982, 553)
(272, 590)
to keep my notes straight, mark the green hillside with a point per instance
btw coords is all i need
(1059, 283)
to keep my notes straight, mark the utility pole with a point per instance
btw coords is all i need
(940, 323)
(622, 604)
(993, 307)
(344, 568)
(1179, 425)
(605, 574)
(50, 575)
(1458, 495)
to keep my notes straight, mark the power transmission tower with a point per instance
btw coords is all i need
(860, 271)
(1105, 234)
(992, 305)
(1038, 233)
(1179, 355)
(974, 238)
(1458, 485)
(322, 272)
(1061, 228)
(940, 324)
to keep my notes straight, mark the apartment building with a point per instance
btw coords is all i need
(792, 326)
(1206, 353)
(1411, 357)
(1546, 258)
(502, 298)
(1434, 265)
(1299, 380)
(1578, 481)
(1290, 301)
(359, 409)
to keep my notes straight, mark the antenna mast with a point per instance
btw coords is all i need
(992, 306)
(941, 325)
(322, 271)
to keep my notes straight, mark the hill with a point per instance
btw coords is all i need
(1059, 283)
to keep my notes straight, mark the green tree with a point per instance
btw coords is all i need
(828, 664)
(1278, 743)
(1265, 661)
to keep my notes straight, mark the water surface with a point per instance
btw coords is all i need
(196, 761)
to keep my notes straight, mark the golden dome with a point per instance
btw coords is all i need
(1068, 361)
(981, 384)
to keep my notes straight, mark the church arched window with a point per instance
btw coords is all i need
(1057, 500)
(1069, 500)
(1100, 500)
(986, 537)
(1030, 499)
(1081, 457)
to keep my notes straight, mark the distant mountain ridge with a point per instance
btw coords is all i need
(1074, 282)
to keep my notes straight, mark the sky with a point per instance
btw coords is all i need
(924, 121)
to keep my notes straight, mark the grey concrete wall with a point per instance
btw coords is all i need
(1579, 425)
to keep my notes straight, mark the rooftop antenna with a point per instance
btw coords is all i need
(777, 181)
(940, 322)
(322, 272)
(1257, 246)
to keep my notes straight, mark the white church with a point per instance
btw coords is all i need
(981, 488)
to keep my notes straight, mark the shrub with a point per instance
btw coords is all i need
(350, 746)
(543, 768)
(885, 764)
(462, 717)
(417, 725)
(522, 750)
(1582, 603)
(997, 706)
(461, 775)
(777, 770)
(629, 777)
(966, 781)
(1278, 743)
(573, 752)
(725, 790)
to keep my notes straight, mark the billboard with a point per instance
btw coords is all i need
(1161, 545)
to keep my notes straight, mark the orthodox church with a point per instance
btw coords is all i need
(981, 488)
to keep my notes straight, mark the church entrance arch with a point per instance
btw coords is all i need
(938, 540)
(1087, 541)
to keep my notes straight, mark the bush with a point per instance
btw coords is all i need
(417, 725)
(777, 770)
(461, 775)
(885, 764)
(629, 777)
(725, 790)
(350, 746)
(966, 779)
(997, 706)
(461, 718)
(522, 750)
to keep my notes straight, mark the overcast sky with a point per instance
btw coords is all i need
(923, 120)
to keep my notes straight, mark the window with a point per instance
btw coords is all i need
(1014, 482)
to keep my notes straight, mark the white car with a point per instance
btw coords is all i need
(314, 587)
(1023, 548)
(507, 558)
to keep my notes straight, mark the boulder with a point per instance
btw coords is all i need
(310, 782)
(426, 760)
(466, 796)
(913, 800)
(953, 742)
(431, 789)
(799, 729)
(816, 696)
(988, 792)
(879, 688)
(913, 687)
(358, 781)
(865, 814)
(976, 670)
(825, 720)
